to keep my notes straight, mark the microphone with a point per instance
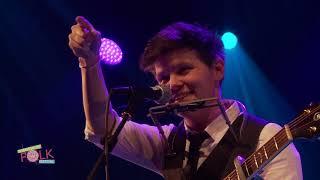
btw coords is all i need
(161, 94)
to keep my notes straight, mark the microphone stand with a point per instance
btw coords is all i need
(110, 142)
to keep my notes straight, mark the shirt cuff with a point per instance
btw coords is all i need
(92, 137)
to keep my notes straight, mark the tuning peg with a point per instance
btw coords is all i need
(316, 116)
(307, 110)
(312, 129)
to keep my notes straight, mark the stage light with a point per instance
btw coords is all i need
(229, 40)
(110, 52)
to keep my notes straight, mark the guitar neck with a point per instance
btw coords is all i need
(263, 155)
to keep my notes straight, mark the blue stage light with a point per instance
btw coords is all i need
(229, 40)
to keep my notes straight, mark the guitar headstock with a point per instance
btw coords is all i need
(307, 125)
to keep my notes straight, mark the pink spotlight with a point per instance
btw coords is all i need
(110, 52)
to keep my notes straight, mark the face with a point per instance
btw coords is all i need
(188, 77)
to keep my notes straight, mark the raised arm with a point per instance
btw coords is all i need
(84, 41)
(140, 144)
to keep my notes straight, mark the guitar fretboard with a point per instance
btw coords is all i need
(262, 156)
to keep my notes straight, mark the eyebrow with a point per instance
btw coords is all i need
(173, 68)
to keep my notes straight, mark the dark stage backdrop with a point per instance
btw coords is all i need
(40, 92)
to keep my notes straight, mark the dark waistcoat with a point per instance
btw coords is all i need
(220, 161)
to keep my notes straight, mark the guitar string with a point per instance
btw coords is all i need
(281, 139)
(250, 162)
(302, 117)
(283, 136)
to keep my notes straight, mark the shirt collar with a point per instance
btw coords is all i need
(218, 127)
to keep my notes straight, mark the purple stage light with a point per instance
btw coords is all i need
(110, 52)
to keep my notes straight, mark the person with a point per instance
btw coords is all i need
(190, 60)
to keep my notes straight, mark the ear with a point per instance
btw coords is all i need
(218, 69)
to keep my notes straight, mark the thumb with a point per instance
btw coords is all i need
(84, 23)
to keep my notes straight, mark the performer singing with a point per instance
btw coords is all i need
(190, 60)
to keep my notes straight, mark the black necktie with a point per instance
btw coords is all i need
(196, 139)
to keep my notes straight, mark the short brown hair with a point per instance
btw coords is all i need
(181, 35)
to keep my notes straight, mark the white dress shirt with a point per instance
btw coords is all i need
(142, 145)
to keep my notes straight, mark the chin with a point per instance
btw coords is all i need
(190, 114)
(200, 114)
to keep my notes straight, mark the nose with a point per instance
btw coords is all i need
(175, 83)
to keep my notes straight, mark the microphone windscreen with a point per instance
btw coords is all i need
(166, 94)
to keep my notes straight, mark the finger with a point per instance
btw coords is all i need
(79, 40)
(76, 46)
(76, 29)
(73, 43)
(84, 23)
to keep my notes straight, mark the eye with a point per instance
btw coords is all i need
(163, 79)
(183, 70)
